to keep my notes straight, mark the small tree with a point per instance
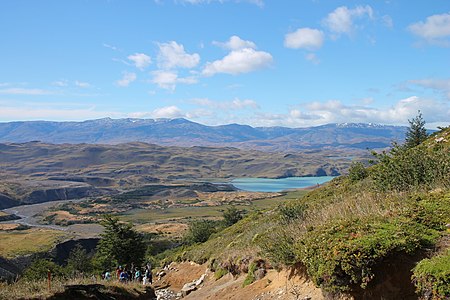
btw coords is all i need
(231, 216)
(357, 171)
(39, 268)
(200, 231)
(79, 261)
(416, 133)
(119, 244)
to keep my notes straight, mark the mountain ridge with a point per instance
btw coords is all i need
(183, 132)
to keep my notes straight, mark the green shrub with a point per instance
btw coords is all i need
(199, 231)
(231, 216)
(250, 275)
(357, 171)
(39, 269)
(432, 277)
(220, 272)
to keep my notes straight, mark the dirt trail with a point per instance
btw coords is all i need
(275, 285)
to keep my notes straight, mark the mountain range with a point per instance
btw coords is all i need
(182, 132)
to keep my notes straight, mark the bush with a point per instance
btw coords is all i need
(250, 275)
(39, 269)
(357, 171)
(432, 277)
(200, 231)
(231, 216)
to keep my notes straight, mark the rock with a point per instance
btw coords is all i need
(260, 273)
(200, 280)
(188, 288)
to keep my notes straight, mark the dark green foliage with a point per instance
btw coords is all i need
(357, 171)
(416, 132)
(231, 216)
(200, 231)
(120, 244)
(79, 262)
(290, 212)
(39, 268)
(407, 168)
(432, 276)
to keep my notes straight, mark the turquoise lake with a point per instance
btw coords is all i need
(278, 185)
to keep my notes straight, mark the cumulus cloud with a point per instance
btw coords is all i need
(168, 112)
(172, 55)
(168, 79)
(239, 61)
(127, 78)
(235, 43)
(140, 60)
(435, 29)
(306, 38)
(341, 20)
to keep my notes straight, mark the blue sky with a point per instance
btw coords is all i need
(291, 63)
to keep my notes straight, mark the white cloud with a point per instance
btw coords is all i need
(239, 61)
(61, 83)
(39, 112)
(168, 112)
(387, 21)
(81, 84)
(140, 60)
(169, 79)
(312, 57)
(341, 20)
(172, 55)
(436, 29)
(127, 78)
(235, 43)
(26, 91)
(306, 38)
(235, 104)
(440, 85)
(110, 47)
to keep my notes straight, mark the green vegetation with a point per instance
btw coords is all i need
(79, 262)
(342, 232)
(432, 276)
(416, 133)
(231, 216)
(22, 242)
(200, 231)
(250, 278)
(39, 269)
(120, 244)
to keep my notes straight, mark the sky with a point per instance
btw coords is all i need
(294, 63)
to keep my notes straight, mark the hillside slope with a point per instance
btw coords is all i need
(357, 235)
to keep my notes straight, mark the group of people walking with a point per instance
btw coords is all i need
(125, 274)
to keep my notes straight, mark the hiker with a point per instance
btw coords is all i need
(118, 272)
(147, 275)
(137, 275)
(107, 276)
(124, 276)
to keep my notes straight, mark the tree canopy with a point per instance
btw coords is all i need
(416, 132)
(120, 244)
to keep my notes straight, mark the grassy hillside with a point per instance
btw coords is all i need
(352, 233)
